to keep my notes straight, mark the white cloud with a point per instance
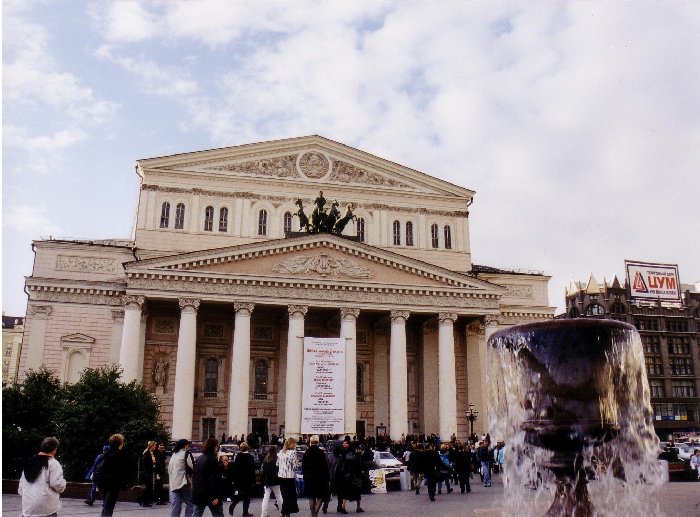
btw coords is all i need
(29, 220)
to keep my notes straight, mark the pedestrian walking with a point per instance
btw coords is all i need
(352, 476)
(180, 471)
(316, 476)
(416, 465)
(287, 462)
(111, 474)
(92, 493)
(270, 480)
(148, 474)
(42, 482)
(485, 456)
(463, 467)
(431, 464)
(160, 494)
(445, 469)
(206, 482)
(244, 479)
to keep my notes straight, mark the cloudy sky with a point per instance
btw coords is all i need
(576, 123)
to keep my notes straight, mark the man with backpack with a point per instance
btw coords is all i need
(111, 474)
(180, 472)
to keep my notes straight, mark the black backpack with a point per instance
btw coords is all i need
(101, 475)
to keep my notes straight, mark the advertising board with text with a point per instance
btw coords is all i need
(653, 281)
(323, 391)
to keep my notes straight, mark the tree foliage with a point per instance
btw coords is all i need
(83, 416)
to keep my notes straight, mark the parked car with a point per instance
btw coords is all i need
(685, 450)
(677, 468)
(390, 464)
(228, 449)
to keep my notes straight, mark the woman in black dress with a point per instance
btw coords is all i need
(316, 476)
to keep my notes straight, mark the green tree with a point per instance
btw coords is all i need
(99, 405)
(29, 414)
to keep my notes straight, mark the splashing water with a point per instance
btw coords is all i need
(577, 387)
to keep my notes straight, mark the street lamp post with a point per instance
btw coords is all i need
(471, 416)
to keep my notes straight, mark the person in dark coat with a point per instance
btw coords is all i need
(206, 482)
(148, 469)
(431, 463)
(244, 479)
(92, 494)
(114, 474)
(416, 466)
(226, 468)
(316, 476)
(352, 476)
(160, 495)
(463, 467)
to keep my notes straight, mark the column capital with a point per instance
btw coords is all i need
(349, 311)
(40, 311)
(447, 316)
(130, 301)
(399, 314)
(189, 304)
(491, 320)
(293, 309)
(243, 306)
(118, 314)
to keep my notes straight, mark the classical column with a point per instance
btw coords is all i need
(116, 337)
(447, 375)
(491, 326)
(348, 330)
(239, 390)
(35, 351)
(295, 365)
(183, 398)
(430, 393)
(398, 376)
(131, 337)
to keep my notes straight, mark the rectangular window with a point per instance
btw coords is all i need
(646, 324)
(652, 344)
(654, 365)
(681, 366)
(677, 325)
(683, 388)
(657, 388)
(675, 411)
(679, 345)
(208, 428)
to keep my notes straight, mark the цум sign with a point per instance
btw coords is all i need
(653, 281)
(323, 391)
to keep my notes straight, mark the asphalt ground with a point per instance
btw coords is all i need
(676, 499)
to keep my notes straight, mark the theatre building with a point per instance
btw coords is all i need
(208, 303)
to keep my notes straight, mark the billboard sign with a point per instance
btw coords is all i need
(323, 390)
(648, 281)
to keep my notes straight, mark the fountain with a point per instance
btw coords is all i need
(571, 398)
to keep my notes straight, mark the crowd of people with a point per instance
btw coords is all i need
(328, 467)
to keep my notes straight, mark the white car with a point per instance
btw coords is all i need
(228, 449)
(386, 459)
(685, 450)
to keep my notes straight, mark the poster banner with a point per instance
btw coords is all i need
(377, 479)
(323, 392)
(653, 281)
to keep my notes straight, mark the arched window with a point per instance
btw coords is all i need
(223, 219)
(397, 233)
(287, 224)
(361, 228)
(409, 233)
(165, 215)
(262, 222)
(261, 375)
(574, 312)
(180, 216)
(208, 218)
(211, 377)
(434, 236)
(360, 382)
(617, 308)
(448, 237)
(594, 309)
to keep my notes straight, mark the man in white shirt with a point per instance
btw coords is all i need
(180, 468)
(42, 482)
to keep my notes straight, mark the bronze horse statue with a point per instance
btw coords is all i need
(343, 221)
(303, 219)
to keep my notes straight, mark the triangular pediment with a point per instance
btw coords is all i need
(315, 258)
(78, 338)
(312, 161)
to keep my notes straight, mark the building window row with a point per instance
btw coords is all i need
(675, 411)
(681, 366)
(683, 388)
(651, 344)
(678, 345)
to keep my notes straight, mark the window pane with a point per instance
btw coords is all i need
(180, 216)
(361, 229)
(409, 233)
(208, 218)
(223, 219)
(397, 233)
(262, 222)
(211, 377)
(287, 222)
(434, 237)
(261, 375)
(165, 215)
(448, 238)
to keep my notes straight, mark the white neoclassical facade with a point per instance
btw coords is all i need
(208, 303)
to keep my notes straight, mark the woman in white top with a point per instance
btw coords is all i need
(42, 482)
(287, 462)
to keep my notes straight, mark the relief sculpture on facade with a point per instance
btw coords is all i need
(281, 167)
(86, 264)
(347, 173)
(322, 264)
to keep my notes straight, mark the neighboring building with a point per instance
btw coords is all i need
(671, 340)
(12, 329)
(208, 304)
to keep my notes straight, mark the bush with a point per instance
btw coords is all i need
(82, 416)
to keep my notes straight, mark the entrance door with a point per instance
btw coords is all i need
(360, 429)
(259, 427)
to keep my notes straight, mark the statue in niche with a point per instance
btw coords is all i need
(160, 372)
